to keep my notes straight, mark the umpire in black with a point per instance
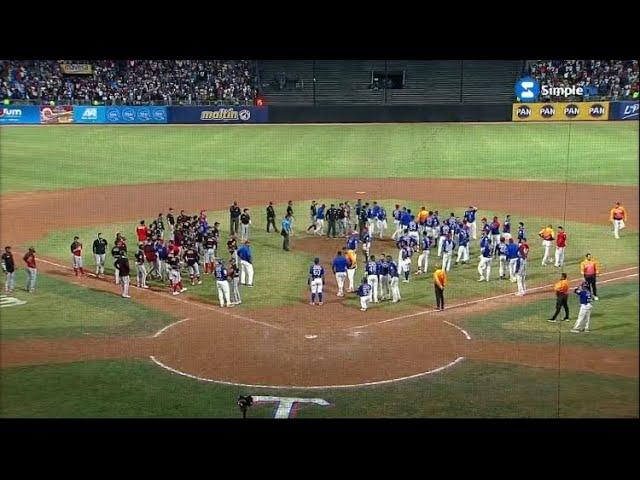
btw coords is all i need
(332, 218)
(271, 217)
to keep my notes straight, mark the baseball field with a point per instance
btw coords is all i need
(76, 348)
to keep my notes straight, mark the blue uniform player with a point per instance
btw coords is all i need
(405, 219)
(520, 270)
(364, 292)
(382, 221)
(339, 267)
(444, 233)
(366, 243)
(220, 274)
(405, 266)
(394, 280)
(383, 278)
(584, 315)
(521, 232)
(470, 217)
(316, 281)
(320, 219)
(447, 252)
(484, 267)
(512, 256)
(413, 228)
(503, 258)
(397, 214)
(506, 228)
(452, 221)
(353, 241)
(485, 240)
(371, 268)
(463, 246)
(423, 258)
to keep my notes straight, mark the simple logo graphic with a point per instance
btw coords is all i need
(527, 89)
(523, 111)
(596, 110)
(90, 114)
(631, 111)
(547, 111)
(144, 114)
(113, 115)
(159, 115)
(220, 114)
(571, 111)
(244, 115)
(128, 115)
(6, 301)
(287, 406)
(562, 91)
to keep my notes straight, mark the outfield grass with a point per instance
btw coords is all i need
(614, 320)
(471, 390)
(280, 276)
(36, 158)
(61, 309)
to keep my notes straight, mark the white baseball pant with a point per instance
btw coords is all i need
(246, 273)
(100, 261)
(446, 261)
(395, 289)
(423, 261)
(504, 265)
(223, 292)
(384, 287)
(484, 268)
(559, 256)
(617, 226)
(373, 281)
(546, 244)
(351, 273)
(142, 275)
(463, 253)
(584, 318)
(340, 278)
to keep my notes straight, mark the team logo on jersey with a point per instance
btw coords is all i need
(547, 111)
(571, 110)
(527, 89)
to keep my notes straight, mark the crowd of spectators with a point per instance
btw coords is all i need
(131, 82)
(610, 79)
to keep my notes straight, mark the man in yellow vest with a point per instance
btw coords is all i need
(589, 268)
(439, 282)
(618, 215)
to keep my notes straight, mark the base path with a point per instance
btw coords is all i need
(295, 346)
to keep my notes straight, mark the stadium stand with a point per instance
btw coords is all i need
(130, 82)
(601, 79)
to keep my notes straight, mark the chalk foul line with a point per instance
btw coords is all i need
(164, 329)
(468, 337)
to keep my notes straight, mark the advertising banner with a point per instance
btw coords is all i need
(134, 115)
(555, 112)
(56, 114)
(219, 115)
(624, 110)
(76, 68)
(17, 114)
(89, 114)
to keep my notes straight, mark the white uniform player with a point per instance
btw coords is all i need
(447, 253)
(520, 272)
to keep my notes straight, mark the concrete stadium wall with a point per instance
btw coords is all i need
(391, 114)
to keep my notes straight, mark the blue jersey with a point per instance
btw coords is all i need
(405, 219)
(521, 233)
(358, 208)
(470, 216)
(320, 213)
(244, 253)
(463, 238)
(413, 226)
(506, 226)
(372, 268)
(495, 228)
(436, 220)
(485, 241)
(366, 237)
(413, 242)
(220, 273)
(364, 290)
(444, 229)
(452, 221)
(383, 267)
(352, 242)
(316, 271)
(486, 251)
(286, 225)
(512, 251)
(382, 214)
(502, 248)
(163, 252)
(426, 242)
(397, 214)
(585, 296)
(403, 241)
(407, 252)
(486, 228)
(340, 264)
(447, 245)
(375, 211)
(393, 269)
(429, 222)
